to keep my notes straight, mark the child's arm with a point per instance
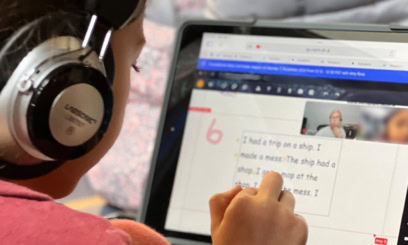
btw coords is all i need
(257, 216)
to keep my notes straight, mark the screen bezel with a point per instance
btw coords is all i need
(178, 94)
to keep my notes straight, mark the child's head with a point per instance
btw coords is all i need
(126, 45)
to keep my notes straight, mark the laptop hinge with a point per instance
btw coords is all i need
(398, 28)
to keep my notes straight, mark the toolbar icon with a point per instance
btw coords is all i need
(224, 85)
(258, 89)
(245, 87)
(200, 83)
(234, 86)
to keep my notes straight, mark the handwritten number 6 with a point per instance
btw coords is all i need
(214, 136)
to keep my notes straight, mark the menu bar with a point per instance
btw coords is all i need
(306, 51)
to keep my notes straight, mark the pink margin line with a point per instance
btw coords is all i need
(200, 109)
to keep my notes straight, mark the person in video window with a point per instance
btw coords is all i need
(335, 129)
(396, 127)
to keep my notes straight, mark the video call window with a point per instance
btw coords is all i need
(350, 121)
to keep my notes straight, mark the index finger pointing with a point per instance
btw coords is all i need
(271, 185)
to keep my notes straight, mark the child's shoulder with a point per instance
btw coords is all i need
(29, 217)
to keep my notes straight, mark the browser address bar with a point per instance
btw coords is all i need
(331, 51)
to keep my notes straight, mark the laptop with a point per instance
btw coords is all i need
(326, 106)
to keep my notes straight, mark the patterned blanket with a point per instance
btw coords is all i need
(121, 174)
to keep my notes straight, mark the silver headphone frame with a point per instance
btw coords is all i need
(67, 61)
(17, 94)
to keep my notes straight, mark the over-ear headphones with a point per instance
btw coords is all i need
(57, 102)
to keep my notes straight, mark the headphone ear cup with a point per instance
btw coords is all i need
(69, 115)
(59, 71)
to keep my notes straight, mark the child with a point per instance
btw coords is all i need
(28, 213)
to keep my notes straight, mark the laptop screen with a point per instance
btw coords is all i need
(326, 107)
(331, 116)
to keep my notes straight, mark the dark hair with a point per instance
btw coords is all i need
(59, 17)
(16, 13)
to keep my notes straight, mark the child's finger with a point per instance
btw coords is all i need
(219, 203)
(288, 200)
(271, 185)
(249, 191)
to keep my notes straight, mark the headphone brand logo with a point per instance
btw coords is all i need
(80, 114)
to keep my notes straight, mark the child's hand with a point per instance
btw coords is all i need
(263, 216)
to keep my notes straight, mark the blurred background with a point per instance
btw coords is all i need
(116, 183)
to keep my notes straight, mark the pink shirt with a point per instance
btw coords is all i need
(28, 217)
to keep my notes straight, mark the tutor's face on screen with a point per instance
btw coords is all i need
(317, 111)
